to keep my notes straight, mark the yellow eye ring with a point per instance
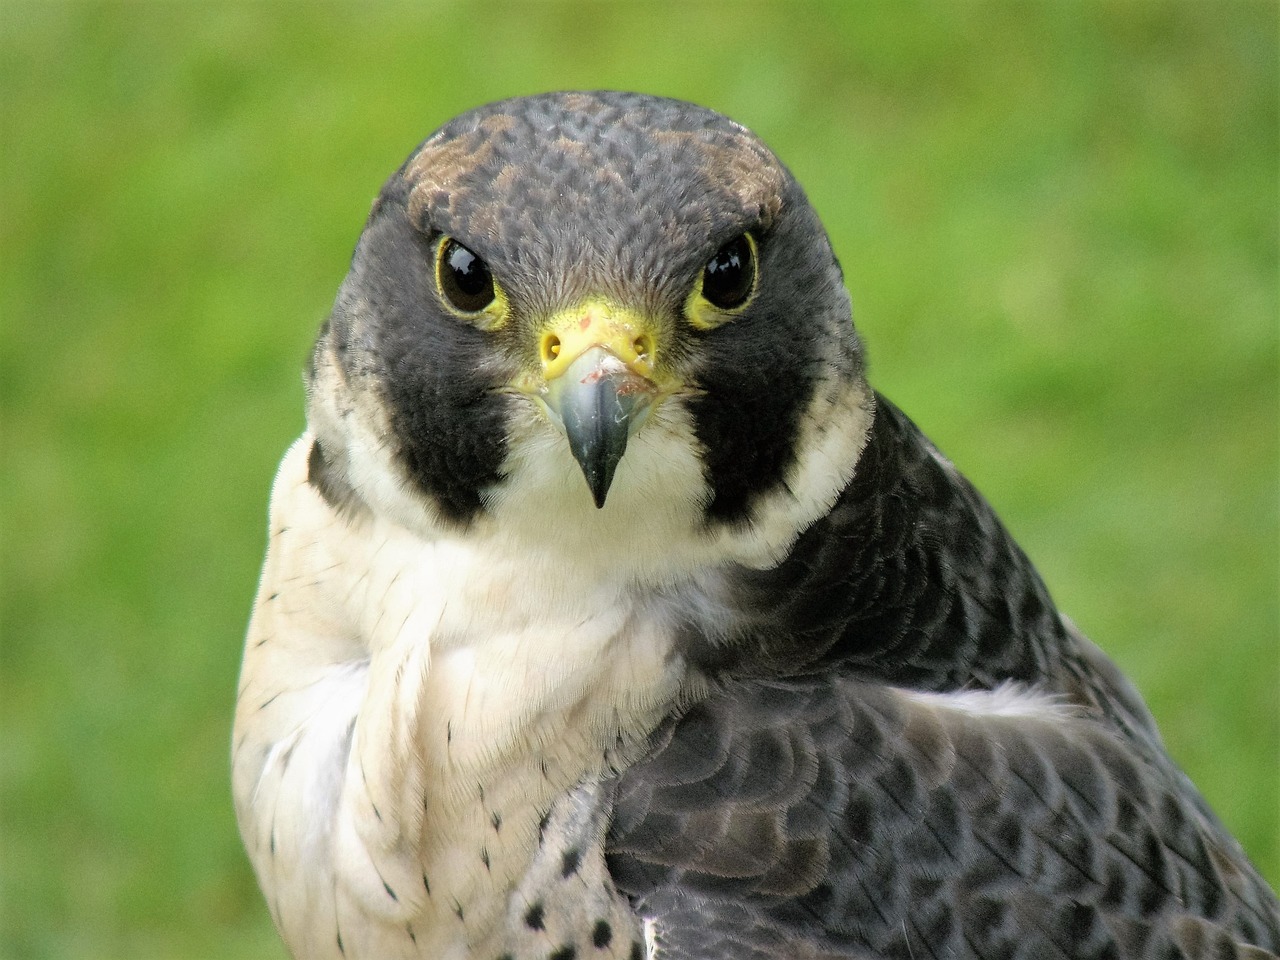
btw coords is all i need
(726, 285)
(467, 286)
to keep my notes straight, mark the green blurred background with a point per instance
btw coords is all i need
(1058, 221)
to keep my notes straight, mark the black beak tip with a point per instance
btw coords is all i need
(598, 463)
(599, 490)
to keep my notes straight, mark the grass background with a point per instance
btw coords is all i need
(1058, 221)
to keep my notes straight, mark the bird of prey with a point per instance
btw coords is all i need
(608, 612)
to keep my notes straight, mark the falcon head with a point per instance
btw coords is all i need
(592, 318)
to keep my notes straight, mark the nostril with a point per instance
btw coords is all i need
(641, 347)
(550, 347)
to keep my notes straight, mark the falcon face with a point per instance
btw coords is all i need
(608, 613)
(593, 304)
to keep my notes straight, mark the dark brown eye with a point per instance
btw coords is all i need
(464, 278)
(729, 276)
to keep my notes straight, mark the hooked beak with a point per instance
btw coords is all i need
(599, 403)
(597, 365)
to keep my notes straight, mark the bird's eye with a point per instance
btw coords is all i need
(463, 277)
(729, 276)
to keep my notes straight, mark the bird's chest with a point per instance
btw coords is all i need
(497, 687)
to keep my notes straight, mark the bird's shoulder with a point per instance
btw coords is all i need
(840, 817)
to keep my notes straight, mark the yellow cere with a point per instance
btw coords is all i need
(570, 333)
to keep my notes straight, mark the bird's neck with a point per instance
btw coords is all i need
(911, 579)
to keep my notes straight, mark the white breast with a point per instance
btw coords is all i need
(408, 712)
(413, 700)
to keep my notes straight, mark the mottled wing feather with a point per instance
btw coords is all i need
(825, 817)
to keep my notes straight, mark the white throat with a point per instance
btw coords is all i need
(415, 698)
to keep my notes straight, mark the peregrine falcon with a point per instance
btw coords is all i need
(608, 612)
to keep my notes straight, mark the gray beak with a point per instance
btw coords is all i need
(599, 403)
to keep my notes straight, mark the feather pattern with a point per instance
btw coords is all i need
(792, 692)
(922, 759)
